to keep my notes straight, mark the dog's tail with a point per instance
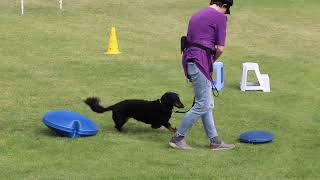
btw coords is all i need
(94, 104)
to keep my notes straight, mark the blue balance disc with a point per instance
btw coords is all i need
(256, 136)
(70, 124)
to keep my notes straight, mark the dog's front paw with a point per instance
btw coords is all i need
(174, 130)
(124, 130)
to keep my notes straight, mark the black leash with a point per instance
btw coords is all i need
(214, 89)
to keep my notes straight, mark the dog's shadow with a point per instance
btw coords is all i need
(145, 133)
(135, 132)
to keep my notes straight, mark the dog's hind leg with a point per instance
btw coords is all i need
(119, 121)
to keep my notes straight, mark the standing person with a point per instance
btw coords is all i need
(205, 43)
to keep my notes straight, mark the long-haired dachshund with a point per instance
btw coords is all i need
(157, 113)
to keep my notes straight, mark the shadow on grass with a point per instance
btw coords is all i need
(142, 133)
(234, 86)
(142, 130)
(48, 133)
(148, 134)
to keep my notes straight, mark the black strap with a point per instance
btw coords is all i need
(214, 89)
(209, 51)
(185, 45)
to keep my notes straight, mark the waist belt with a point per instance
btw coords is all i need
(185, 45)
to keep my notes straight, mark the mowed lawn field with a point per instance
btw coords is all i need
(52, 59)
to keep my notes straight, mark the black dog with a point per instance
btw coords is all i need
(157, 113)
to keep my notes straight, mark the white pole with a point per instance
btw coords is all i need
(22, 8)
(60, 2)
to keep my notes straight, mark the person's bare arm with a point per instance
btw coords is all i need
(219, 51)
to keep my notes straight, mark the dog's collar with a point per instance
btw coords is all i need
(166, 108)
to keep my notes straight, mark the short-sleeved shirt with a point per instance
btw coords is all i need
(208, 28)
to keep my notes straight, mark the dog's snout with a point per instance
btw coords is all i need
(179, 104)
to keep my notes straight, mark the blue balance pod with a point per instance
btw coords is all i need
(256, 136)
(70, 124)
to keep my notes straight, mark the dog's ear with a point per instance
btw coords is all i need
(171, 99)
(165, 99)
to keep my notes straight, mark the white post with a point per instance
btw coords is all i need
(22, 8)
(60, 2)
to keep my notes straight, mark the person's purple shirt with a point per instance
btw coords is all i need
(208, 28)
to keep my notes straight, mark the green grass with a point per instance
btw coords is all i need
(51, 59)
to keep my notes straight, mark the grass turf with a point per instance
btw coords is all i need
(51, 59)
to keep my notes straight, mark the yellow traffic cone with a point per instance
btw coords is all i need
(113, 43)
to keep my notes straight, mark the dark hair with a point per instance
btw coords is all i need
(215, 2)
(221, 2)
